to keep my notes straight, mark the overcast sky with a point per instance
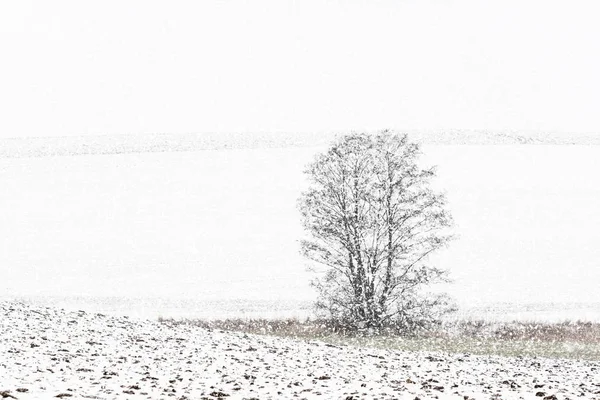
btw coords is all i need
(82, 67)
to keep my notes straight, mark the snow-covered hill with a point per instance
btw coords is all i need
(151, 143)
(223, 224)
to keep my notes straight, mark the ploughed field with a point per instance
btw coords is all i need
(48, 352)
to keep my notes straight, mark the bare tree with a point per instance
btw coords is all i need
(373, 220)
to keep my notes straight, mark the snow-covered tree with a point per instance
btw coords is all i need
(372, 220)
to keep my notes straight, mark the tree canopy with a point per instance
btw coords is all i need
(373, 220)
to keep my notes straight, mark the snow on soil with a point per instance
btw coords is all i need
(49, 352)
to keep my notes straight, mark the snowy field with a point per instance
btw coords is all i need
(48, 353)
(214, 233)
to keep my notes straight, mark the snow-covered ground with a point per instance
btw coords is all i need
(213, 234)
(47, 352)
(222, 226)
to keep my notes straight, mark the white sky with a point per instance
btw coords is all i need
(80, 67)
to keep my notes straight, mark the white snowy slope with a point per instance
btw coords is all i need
(160, 143)
(48, 353)
(223, 225)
